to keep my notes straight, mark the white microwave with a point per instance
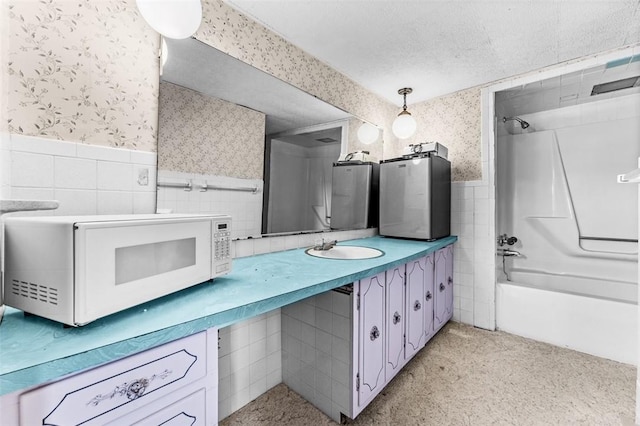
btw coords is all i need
(76, 269)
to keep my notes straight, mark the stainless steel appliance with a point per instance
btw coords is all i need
(76, 269)
(354, 195)
(415, 197)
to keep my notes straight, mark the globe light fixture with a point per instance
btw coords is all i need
(368, 133)
(172, 18)
(404, 126)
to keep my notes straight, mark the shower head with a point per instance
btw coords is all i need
(523, 123)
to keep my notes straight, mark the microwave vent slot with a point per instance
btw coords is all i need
(34, 291)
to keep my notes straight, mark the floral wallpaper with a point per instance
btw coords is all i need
(201, 134)
(454, 121)
(81, 70)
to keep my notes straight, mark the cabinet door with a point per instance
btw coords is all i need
(395, 320)
(449, 283)
(440, 283)
(415, 306)
(371, 339)
(429, 297)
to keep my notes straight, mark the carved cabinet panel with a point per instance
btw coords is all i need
(371, 339)
(416, 307)
(120, 387)
(395, 321)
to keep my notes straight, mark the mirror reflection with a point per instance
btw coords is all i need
(298, 170)
(235, 140)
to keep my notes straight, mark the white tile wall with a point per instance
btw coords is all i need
(32, 170)
(74, 173)
(5, 165)
(473, 221)
(245, 208)
(316, 352)
(249, 361)
(85, 179)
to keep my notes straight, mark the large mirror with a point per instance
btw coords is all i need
(233, 139)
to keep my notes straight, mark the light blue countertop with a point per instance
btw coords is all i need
(35, 350)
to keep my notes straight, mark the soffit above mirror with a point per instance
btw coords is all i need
(200, 67)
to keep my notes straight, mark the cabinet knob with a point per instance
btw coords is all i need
(450, 280)
(429, 295)
(442, 287)
(416, 305)
(374, 334)
(396, 317)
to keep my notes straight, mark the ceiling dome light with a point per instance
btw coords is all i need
(368, 133)
(172, 18)
(404, 126)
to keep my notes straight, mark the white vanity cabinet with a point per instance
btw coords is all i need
(175, 383)
(342, 347)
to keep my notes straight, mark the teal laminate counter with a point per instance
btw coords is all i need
(34, 350)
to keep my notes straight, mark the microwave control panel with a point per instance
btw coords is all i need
(222, 239)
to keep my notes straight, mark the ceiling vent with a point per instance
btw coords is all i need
(612, 86)
(327, 140)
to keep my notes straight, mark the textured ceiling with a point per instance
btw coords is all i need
(439, 47)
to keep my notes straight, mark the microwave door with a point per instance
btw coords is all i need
(122, 264)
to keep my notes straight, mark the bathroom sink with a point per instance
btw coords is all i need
(346, 253)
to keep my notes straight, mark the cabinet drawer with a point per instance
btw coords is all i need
(112, 390)
(188, 411)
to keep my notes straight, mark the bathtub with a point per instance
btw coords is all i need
(580, 313)
(575, 281)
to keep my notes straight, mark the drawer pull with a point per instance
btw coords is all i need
(442, 287)
(429, 296)
(396, 317)
(416, 305)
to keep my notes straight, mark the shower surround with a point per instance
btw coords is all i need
(575, 283)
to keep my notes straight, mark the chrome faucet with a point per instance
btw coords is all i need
(509, 253)
(326, 245)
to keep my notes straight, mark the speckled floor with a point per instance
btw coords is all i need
(468, 376)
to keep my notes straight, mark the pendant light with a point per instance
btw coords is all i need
(368, 133)
(172, 18)
(404, 126)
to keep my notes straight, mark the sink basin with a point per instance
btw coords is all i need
(346, 253)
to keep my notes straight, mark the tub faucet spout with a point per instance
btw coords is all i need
(509, 253)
